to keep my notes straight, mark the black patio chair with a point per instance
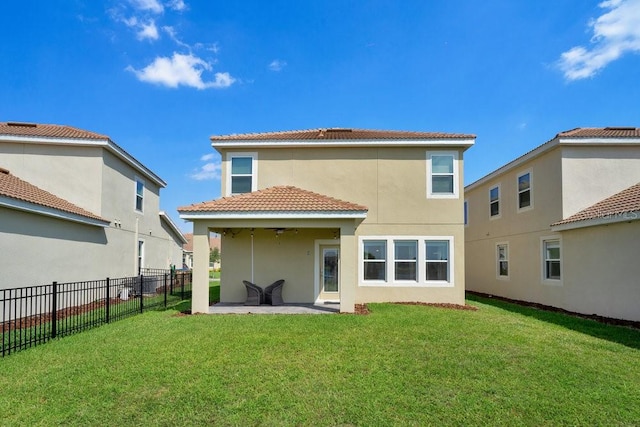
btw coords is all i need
(273, 293)
(255, 294)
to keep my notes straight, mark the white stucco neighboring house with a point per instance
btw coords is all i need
(75, 206)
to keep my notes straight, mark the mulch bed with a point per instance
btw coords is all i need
(597, 318)
(441, 305)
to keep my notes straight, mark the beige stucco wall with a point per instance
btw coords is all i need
(591, 174)
(390, 182)
(521, 230)
(602, 272)
(70, 172)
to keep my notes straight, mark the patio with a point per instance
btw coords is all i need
(239, 308)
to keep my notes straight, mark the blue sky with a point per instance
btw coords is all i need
(161, 76)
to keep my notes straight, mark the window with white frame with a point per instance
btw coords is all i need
(375, 260)
(524, 191)
(551, 251)
(241, 176)
(494, 202)
(442, 175)
(437, 260)
(139, 201)
(502, 259)
(406, 261)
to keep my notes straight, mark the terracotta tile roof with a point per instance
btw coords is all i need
(621, 203)
(46, 131)
(15, 188)
(608, 132)
(339, 134)
(275, 199)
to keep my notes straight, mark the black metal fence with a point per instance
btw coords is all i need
(35, 314)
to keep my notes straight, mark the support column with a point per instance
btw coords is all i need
(348, 268)
(200, 292)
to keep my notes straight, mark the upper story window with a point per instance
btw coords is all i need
(241, 173)
(494, 202)
(525, 199)
(139, 204)
(442, 175)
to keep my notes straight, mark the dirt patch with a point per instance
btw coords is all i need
(441, 305)
(361, 309)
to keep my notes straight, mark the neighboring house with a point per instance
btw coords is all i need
(75, 206)
(560, 226)
(187, 250)
(343, 215)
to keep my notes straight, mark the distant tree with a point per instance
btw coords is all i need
(214, 255)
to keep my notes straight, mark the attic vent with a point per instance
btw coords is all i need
(4, 171)
(21, 124)
(620, 128)
(339, 130)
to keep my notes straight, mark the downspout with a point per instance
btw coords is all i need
(252, 279)
(136, 271)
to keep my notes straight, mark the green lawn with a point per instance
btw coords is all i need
(400, 365)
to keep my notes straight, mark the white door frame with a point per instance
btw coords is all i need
(317, 268)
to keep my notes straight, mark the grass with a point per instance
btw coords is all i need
(400, 365)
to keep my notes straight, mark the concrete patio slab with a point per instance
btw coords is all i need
(239, 308)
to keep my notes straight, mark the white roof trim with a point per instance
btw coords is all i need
(22, 205)
(274, 215)
(604, 220)
(514, 164)
(285, 143)
(173, 226)
(599, 141)
(85, 142)
(546, 147)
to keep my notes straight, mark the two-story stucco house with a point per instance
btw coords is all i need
(560, 225)
(76, 206)
(342, 215)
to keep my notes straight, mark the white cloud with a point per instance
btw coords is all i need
(148, 31)
(178, 5)
(208, 171)
(207, 157)
(185, 70)
(147, 5)
(277, 65)
(615, 32)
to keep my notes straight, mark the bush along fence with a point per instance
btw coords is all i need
(36, 314)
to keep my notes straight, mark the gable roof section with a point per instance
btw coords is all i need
(341, 137)
(577, 136)
(621, 207)
(18, 194)
(36, 133)
(279, 201)
(172, 226)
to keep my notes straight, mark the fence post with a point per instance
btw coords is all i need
(54, 310)
(141, 293)
(165, 290)
(182, 286)
(171, 284)
(107, 302)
